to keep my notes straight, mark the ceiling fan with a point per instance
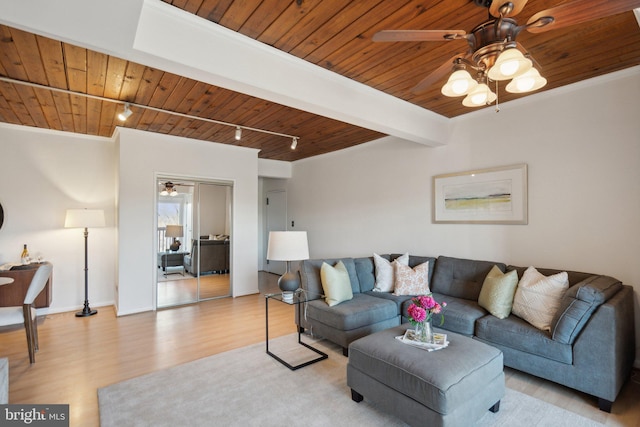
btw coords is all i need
(494, 54)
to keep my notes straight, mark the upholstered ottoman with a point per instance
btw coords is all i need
(453, 386)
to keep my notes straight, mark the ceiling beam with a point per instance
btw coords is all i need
(153, 33)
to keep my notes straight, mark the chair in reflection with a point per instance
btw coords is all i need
(27, 313)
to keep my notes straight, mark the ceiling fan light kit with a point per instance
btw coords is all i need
(493, 51)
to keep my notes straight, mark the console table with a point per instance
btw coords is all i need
(13, 294)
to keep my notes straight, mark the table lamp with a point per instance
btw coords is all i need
(174, 231)
(288, 246)
(85, 218)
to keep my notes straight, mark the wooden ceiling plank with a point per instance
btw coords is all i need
(96, 72)
(262, 17)
(309, 23)
(213, 10)
(238, 13)
(116, 69)
(27, 46)
(10, 57)
(336, 28)
(151, 78)
(8, 115)
(16, 104)
(94, 110)
(132, 81)
(48, 106)
(32, 105)
(163, 90)
(178, 93)
(62, 102)
(287, 20)
(195, 100)
(107, 119)
(53, 61)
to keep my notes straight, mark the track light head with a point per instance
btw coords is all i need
(294, 143)
(126, 112)
(238, 133)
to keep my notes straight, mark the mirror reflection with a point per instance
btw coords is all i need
(194, 239)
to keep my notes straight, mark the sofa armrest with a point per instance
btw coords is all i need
(604, 352)
(577, 305)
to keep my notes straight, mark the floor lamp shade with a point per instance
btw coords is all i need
(288, 246)
(85, 218)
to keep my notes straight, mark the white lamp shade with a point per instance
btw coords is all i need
(287, 246)
(480, 96)
(84, 218)
(174, 231)
(510, 63)
(459, 83)
(527, 82)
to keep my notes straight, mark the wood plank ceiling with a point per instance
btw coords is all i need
(334, 34)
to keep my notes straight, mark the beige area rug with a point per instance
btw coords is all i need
(246, 387)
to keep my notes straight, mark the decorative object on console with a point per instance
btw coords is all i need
(174, 231)
(288, 246)
(85, 218)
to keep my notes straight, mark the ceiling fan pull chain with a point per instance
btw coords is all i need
(497, 98)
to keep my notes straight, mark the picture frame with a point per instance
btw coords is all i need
(485, 196)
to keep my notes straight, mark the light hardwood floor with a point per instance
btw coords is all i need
(79, 355)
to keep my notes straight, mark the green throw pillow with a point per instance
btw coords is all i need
(498, 289)
(335, 283)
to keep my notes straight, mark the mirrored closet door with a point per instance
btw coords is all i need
(194, 240)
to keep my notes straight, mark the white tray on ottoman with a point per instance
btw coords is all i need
(453, 386)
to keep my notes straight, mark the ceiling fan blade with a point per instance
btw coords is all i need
(577, 12)
(417, 35)
(509, 10)
(436, 75)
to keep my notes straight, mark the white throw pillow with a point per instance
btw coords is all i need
(538, 297)
(385, 276)
(412, 281)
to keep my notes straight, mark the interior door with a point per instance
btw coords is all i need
(276, 221)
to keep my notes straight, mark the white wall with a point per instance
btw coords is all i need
(141, 157)
(582, 147)
(44, 173)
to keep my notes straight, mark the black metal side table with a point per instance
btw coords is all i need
(298, 298)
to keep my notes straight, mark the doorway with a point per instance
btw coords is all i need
(194, 223)
(276, 213)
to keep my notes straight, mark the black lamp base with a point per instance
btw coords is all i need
(86, 311)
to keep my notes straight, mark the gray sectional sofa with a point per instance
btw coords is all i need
(591, 347)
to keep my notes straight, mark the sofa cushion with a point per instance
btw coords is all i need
(577, 305)
(461, 278)
(385, 274)
(497, 292)
(362, 310)
(460, 315)
(517, 334)
(411, 281)
(335, 283)
(366, 273)
(538, 297)
(310, 274)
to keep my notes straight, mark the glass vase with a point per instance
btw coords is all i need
(424, 332)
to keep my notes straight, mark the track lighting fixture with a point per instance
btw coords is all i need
(126, 112)
(294, 143)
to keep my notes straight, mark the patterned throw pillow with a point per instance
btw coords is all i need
(498, 290)
(385, 276)
(538, 297)
(412, 281)
(335, 283)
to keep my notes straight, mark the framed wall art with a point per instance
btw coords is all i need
(485, 196)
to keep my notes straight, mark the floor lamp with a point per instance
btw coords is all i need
(85, 218)
(288, 246)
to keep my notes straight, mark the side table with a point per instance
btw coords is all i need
(172, 259)
(298, 298)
